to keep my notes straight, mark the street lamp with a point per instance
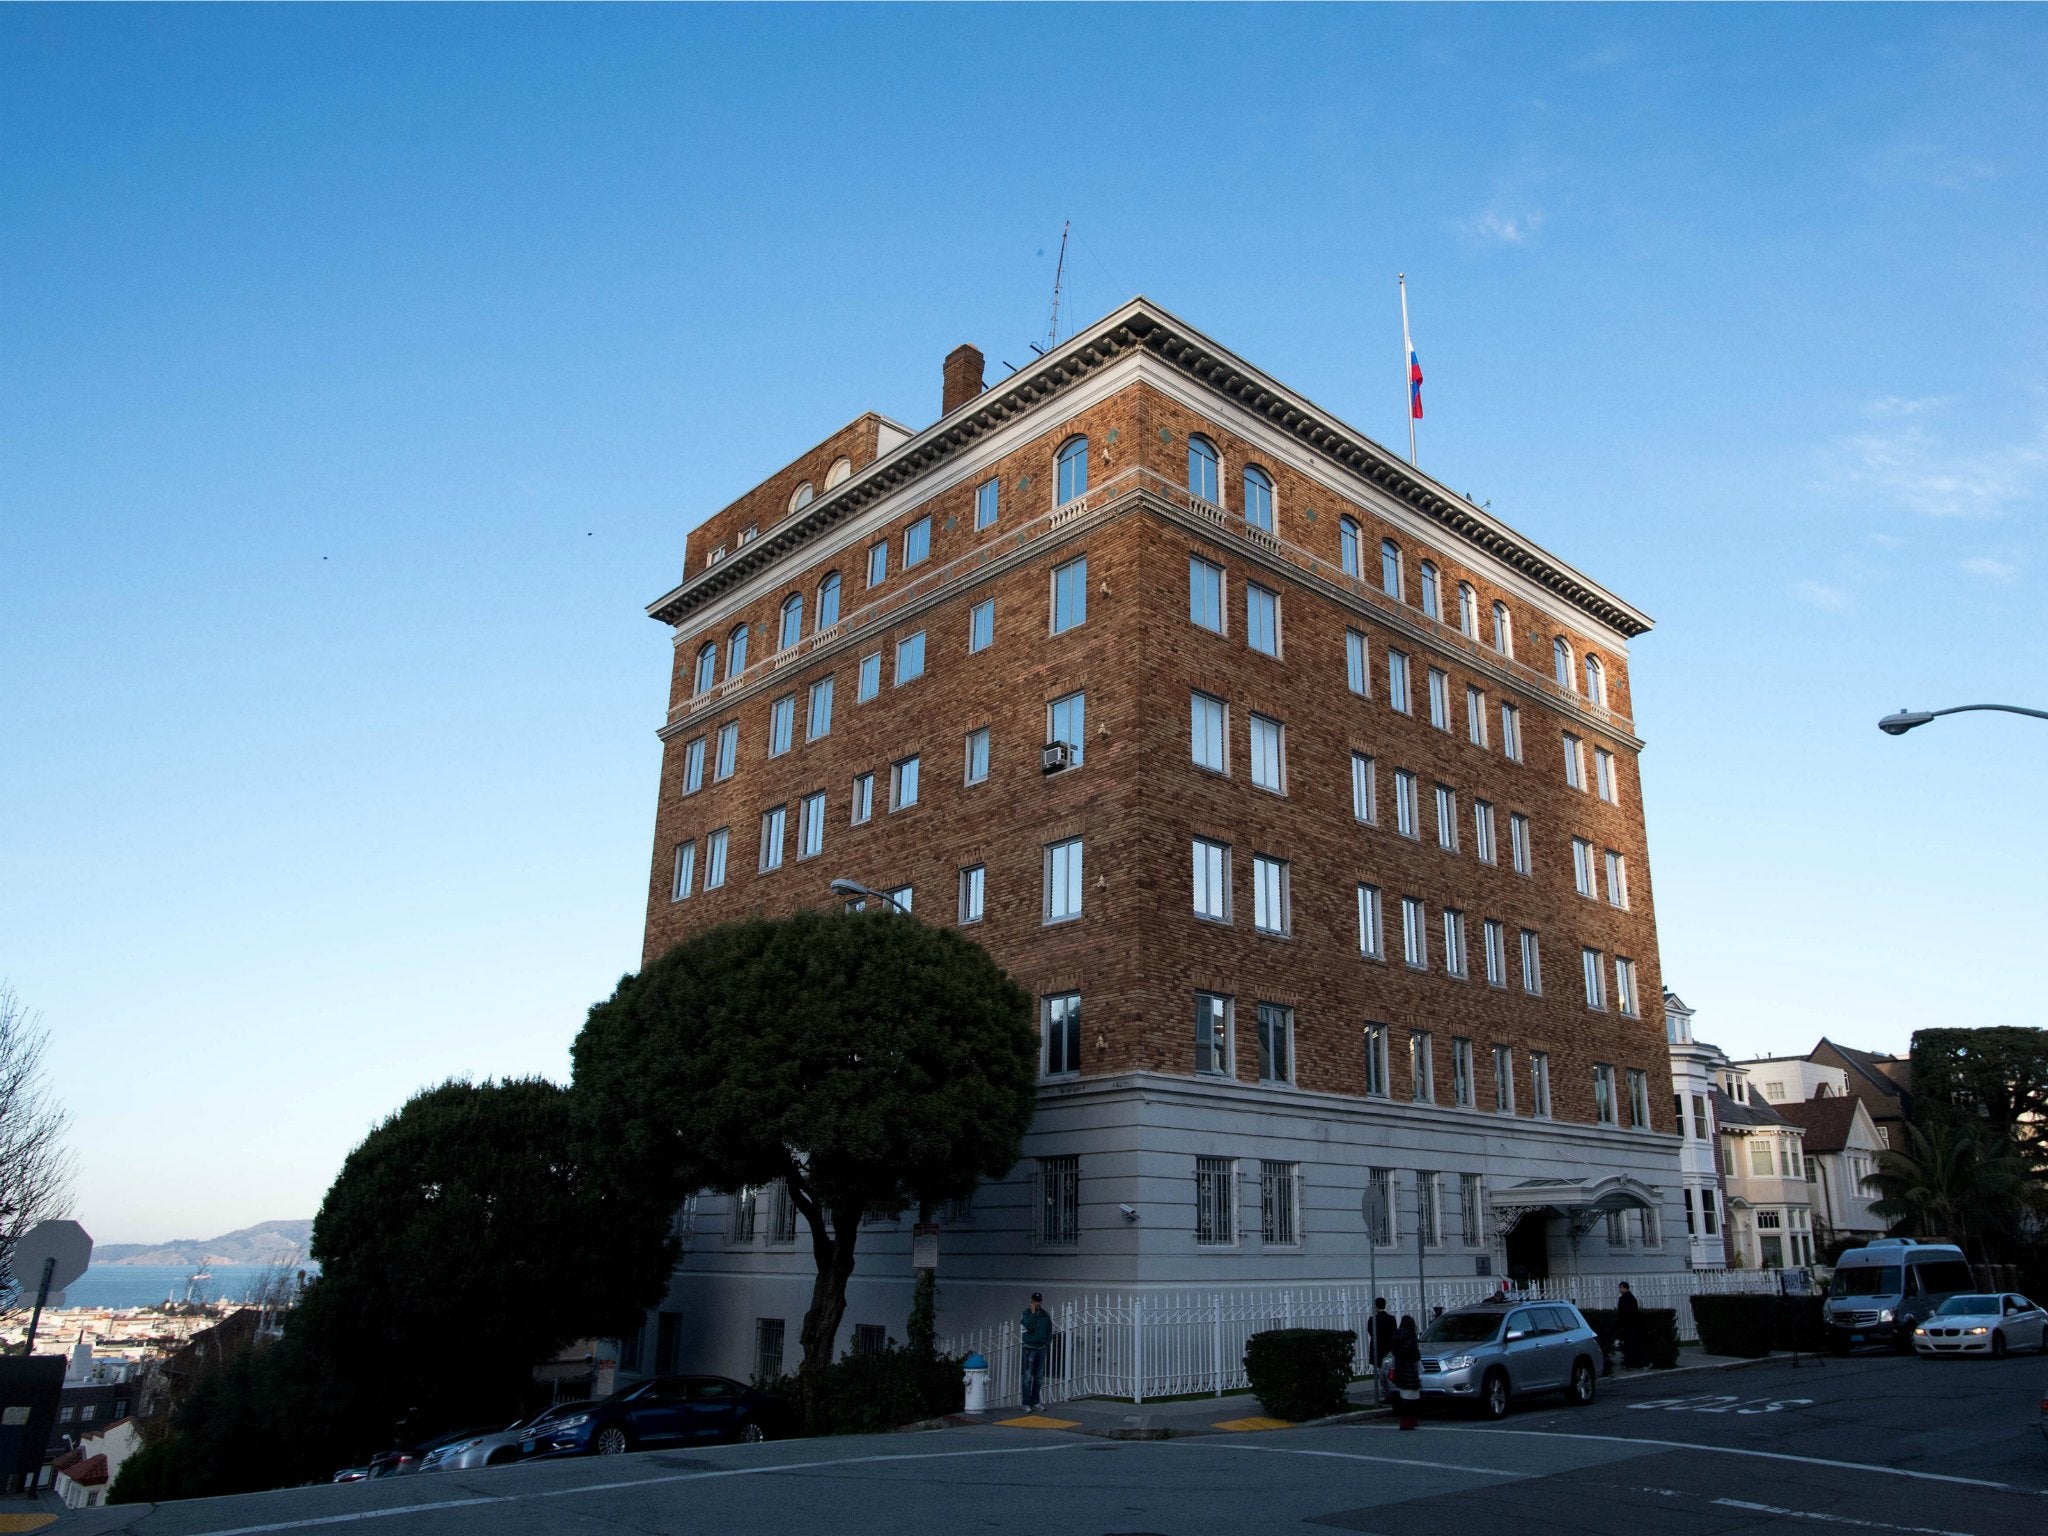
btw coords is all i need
(855, 888)
(1906, 719)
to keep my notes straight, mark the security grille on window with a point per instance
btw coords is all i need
(1511, 733)
(1376, 1067)
(818, 717)
(1066, 720)
(1475, 716)
(1269, 755)
(1446, 818)
(693, 766)
(1208, 732)
(973, 892)
(1518, 842)
(1357, 671)
(714, 858)
(981, 626)
(1414, 933)
(1365, 799)
(1059, 1202)
(1430, 1198)
(1063, 880)
(1205, 594)
(1386, 1223)
(685, 871)
(728, 750)
(1439, 700)
(1262, 619)
(1270, 894)
(1482, 831)
(1212, 880)
(1063, 1034)
(1532, 963)
(1461, 1072)
(869, 1340)
(1496, 940)
(1539, 1084)
(1596, 981)
(1279, 1202)
(910, 658)
(863, 797)
(769, 1339)
(741, 1208)
(1212, 1034)
(1603, 1094)
(1407, 817)
(1070, 596)
(1617, 879)
(868, 679)
(1372, 942)
(1421, 1067)
(1397, 681)
(1472, 1211)
(1276, 1043)
(1215, 1200)
(977, 756)
(1503, 1080)
(1454, 943)
(1638, 1099)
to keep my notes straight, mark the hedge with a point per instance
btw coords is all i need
(1658, 1325)
(874, 1393)
(1300, 1373)
(1750, 1327)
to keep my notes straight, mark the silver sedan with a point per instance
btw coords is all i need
(1987, 1323)
(495, 1450)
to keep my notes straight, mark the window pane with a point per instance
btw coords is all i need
(1397, 681)
(1069, 596)
(1066, 721)
(910, 658)
(1212, 1033)
(818, 718)
(1072, 471)
(1208, 729)
(1202, 470)
(985, 504)
(981, 626)
(1063, 880)
(870, 677)
(1205, 594)
(1357, 671)
(1364, 789)
(1262, 620)
(1212, 879)
(977, 756)
(1268, 755)
(972, 891)
(1258, 500)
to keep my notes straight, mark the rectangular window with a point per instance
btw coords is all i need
(878, 562)
(714, 858)
(1603, 1094)
(1447, 818)
(869, 679)
(1617, 1229)
(781, 724)
(1638, 1099)
(728, 751)
(684, 878)
(1454, 944)
(1596, 978)
(1461, 1072)
(1372, 942)
(985, 505)
(1208, 732)
(1582, 867)
(917, 543)
(1710, 1213)
(1215, 1200)
(973, 892)
(1269, 755)
(1760, 1155)
(1625, 986)
(774, 829)
(1276, 1043)
(1386, 1224)
(769, 1335)
(1518, 842)
(1063, 880)
(743, 1206)
(1503, 1080)
(1270, 895)
(1059, 1202)
(1650, 1223)
(1205, 594)
(1062, 1024)
(977, 756)
(1365, 799)
(863, 797)
(903, 784)
(1357, 674)
(1511, 732)
(1574, 762)
(1070, 595)
(1603, 774)
(903, 898)
(1429, 1196)
(910, 658)
(1496, 939)
(1414, 933)
(1407, 820)
(1539, 1084)
(1376, 1068)
(1397, 681)
(783, 1214)
(1475, 716)
(1066, 719)
(981, 626)
(818, 717)
(1421, 1067)
(1262, 619)
(1482, 831)
(693, 766)
(810, 826)
(1472, 1211)
(1532, 963)
(1212, 880)
(1212, 1034)
(1439, 700)
(1617, 879)
(1279, 1200)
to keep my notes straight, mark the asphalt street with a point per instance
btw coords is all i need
(1871, 1446)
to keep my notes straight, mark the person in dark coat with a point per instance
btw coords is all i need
(1408, 1370)
(1629, 1324)
(1379, 1339)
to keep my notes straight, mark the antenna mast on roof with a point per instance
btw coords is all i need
(1052, 335)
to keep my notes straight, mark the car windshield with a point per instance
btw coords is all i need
(1962, 1306)
(1463, 1328)
(1868, 1280)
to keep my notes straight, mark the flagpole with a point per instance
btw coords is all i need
(1407, 386)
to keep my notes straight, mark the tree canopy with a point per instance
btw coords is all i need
(1957, 1182)
(35, 1160)
(1995, 1076)
(868, 1059)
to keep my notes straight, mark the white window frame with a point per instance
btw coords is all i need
(1069, 581)
(1604, 781)
(1208, 725)
(1215, 1202)
(726, 760)
(1276, 1040)
(1397, 682)
(717, 848)
(1077, 719)
(1617, 879)
(1440, 699)
(1446, 818)
(1280, 1204)
(987, 504)
(878, 563)
(1574, 762)
(1210, 876)
(1475, 716)
(1272, 898)
(1504, 1080)
(1456, 961)
(810, 825)
(1414, 933)
(1511, 732)
(1584, 880)
(1494, 937)
(782, 725)
(1407, 807)
(1518, 843)
(683, 877)
(912, 646)
(1065, 881)
(973, 893)
(1625, 997)
(1532, 962)
(1059, 1011)
(1372, 938)
(1594, 966)
(863, 799)
(1365, 789)
(1421, 1067)
(1357, 664)
(1217, 1012)
(1485, 844)
(976, 766)
(1200, 571)
(1268, 754)
(774, 835)
(818, 709)
(1377, 1065)
(867, 677)
(1461, 1072)
(981, 626)
(905, 773)
(693, 766)
(1261, 614)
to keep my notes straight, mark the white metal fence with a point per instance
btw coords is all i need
(1157, 1344)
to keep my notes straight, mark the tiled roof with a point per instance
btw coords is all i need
(89, 1473)
(1729, 1111)
(1827, 1121)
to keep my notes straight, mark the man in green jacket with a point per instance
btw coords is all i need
(1036, 1325)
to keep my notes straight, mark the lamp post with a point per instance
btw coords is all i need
(855, 888)
(1906, 719)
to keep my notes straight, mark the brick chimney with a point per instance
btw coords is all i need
(963, 377)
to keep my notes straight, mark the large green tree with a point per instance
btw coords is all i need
(1996, 1077)
(1957, 1182)
(868, 1059)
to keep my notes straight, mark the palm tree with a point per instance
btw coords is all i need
(1959, 1182)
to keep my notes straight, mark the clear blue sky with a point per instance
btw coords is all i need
(363, 369)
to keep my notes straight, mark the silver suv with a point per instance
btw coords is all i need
(1496, 1352)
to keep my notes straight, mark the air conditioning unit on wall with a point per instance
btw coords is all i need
(1055, 756)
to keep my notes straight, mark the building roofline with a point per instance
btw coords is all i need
(1143, 326)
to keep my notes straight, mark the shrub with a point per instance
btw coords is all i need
(872, 1394)
(1750, 1327)
(1300, 1373)
(1659, 1328)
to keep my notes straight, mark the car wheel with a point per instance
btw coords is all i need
(1582, 1383)
(752, 1433)
(1997, 1344)
(611, 1441)
(1493, 1395)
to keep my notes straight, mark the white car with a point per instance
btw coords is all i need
(1985, 1323)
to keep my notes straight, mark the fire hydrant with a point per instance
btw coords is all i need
(975, 1377)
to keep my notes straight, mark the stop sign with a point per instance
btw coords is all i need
(64, 1241)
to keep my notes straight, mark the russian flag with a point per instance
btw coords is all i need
(1414, 385)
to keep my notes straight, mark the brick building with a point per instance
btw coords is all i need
(1299, 791)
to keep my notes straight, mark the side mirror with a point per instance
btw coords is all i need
(1517, 1333)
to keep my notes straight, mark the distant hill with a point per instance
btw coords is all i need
(264, 1243)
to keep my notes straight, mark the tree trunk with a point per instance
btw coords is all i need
(832, 1250)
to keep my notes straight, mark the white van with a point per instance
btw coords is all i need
(1879, 1291)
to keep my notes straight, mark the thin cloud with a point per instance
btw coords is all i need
(1887, 541)
(1505, 228)
(1819, 594)
(1905, 463)
(1989, 569)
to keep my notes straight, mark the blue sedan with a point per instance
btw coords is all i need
(668, 1410)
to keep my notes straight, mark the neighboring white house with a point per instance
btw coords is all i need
(1793, 1079)
(1692, 1089)
(1842, 1147)
(1763, 1170)
(85, 1472)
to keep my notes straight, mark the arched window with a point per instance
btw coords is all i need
(1430, 605)
(707, 666)
(1258, 499)
(828, 601)
(736, 653)
(1390, 568)
(1070, 479)
(841, 470)
(1503, 630)
(1468, 610)
(1347, 546)
(1561, 662)
(802, 497)
(1596, 681)
(1205, 471)
(792, 620)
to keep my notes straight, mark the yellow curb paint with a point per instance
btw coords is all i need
(1246, 1426)
(26, 1522)
(1039, 1421)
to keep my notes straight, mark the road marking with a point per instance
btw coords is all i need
(1807, 1514)
(1392, 1461)
(1729, 1450)
(1252, 1425)
(1717, 1403)
(1039, 1421)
